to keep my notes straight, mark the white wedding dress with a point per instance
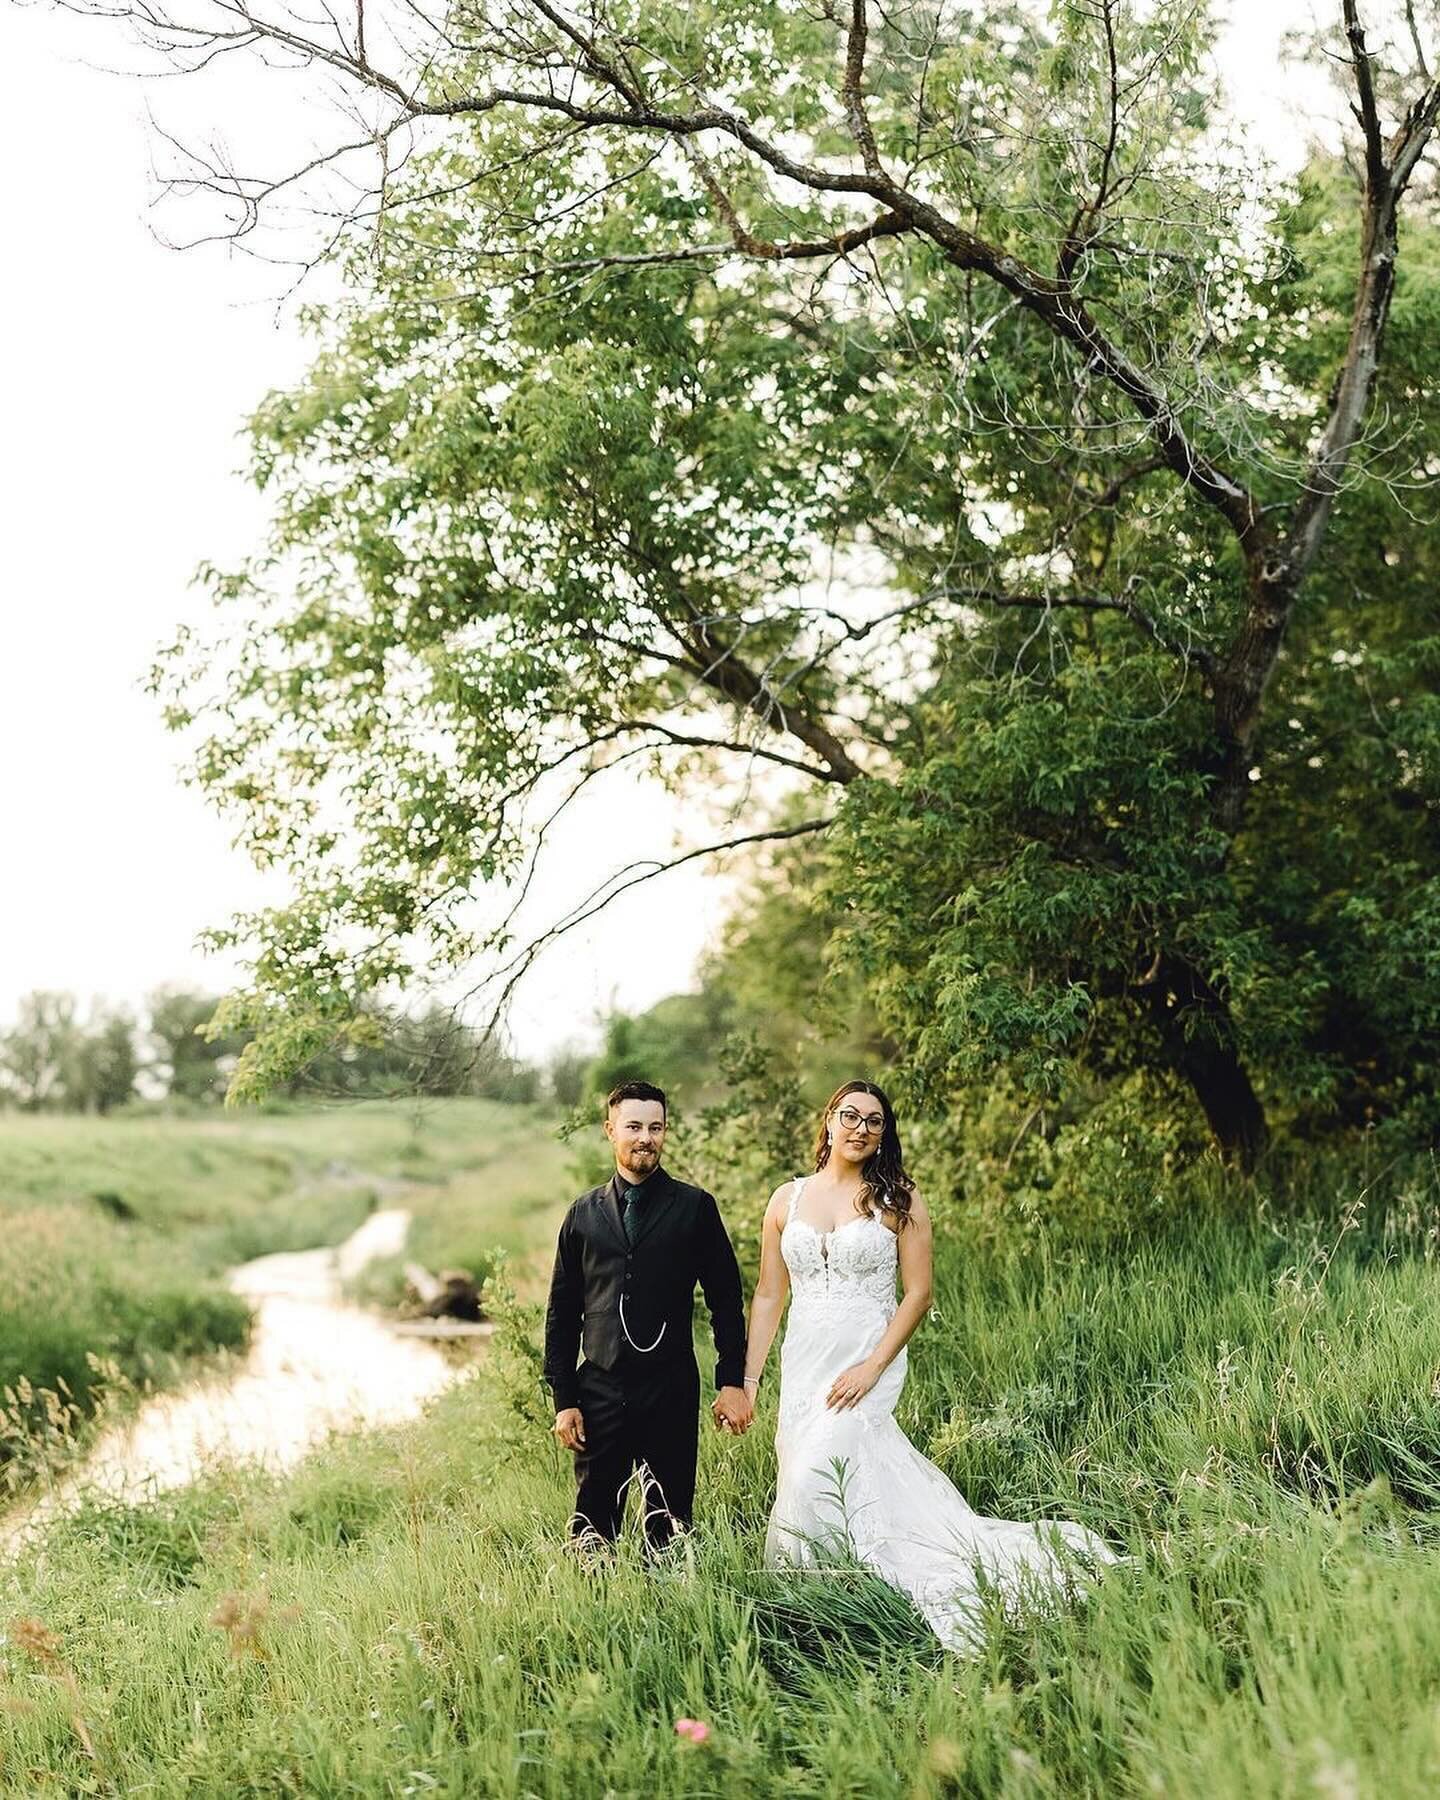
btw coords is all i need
(852, 1485)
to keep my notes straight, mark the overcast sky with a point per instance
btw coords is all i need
(129, 369)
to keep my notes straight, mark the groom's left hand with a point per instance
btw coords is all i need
(734, 1411)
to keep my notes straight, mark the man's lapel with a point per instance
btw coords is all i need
(657, 1191)
(608, 1205)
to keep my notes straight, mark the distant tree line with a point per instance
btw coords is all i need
(53, 1059)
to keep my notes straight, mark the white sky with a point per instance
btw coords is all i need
(129, 369)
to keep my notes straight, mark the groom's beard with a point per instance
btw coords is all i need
(639, 1160)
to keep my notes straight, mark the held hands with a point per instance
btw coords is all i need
(569, 1427)
(851, 1386)
(733, 1411)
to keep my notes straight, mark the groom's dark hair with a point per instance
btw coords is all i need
(636, 1090)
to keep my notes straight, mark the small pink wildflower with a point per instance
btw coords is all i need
(694, 1731)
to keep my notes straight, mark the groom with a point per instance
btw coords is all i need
(629, 1256)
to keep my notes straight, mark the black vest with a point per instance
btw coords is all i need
(619, 1302)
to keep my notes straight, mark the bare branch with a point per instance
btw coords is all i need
(689, 742)
(1420, 62)
(1191, 652)
(853, 90)
(789, 250)
(1367, 112)
(626, 86)
(1414, 136)
(718, 666)
(620, 883)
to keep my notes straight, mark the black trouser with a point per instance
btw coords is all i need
(642, 1431)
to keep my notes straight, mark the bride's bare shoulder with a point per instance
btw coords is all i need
(779, 1201)
(919, 1213)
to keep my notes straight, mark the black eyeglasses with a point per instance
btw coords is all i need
(852, 1120)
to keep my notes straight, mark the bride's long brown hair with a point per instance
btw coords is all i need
(884, 1184)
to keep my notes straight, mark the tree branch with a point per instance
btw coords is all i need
(1367, 113)
(1073, 244)
(1193, 653)
(1420, 62)
(1244, 671)
(632, 875)
(686, 741)
(717, 665)
(1050, 302)
(1414, 135)
(1109, 494)
(1388, 169)
(762, 249)
(853, 90)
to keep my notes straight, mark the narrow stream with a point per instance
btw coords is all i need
(315, 1365)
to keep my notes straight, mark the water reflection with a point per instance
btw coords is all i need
(315, 1365)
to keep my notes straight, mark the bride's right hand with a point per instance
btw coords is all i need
(851, 1386)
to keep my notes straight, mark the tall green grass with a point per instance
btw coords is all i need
(114, 1233)
(1248, 1408)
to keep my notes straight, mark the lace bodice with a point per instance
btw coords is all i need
(856, 1262)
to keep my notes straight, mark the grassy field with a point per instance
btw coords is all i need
(1249, 1409)
(114, 1233)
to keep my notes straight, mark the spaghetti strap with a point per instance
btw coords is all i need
(795, 1188)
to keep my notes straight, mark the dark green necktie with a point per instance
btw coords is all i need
(634, 1205)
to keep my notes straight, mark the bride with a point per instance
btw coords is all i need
(850, 1482)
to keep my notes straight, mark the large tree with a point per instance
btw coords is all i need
(930, 406)
(190, 1060)
(108, 1064)
(42, 1053)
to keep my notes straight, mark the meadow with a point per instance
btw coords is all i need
(115, 1233)
(1247, 1404)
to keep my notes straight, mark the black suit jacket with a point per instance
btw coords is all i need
(681, 1240)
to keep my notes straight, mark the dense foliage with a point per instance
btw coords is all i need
(1057, 535)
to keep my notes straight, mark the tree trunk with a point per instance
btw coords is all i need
(1277, 570)
(1239, 687)
(1199, 1041)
